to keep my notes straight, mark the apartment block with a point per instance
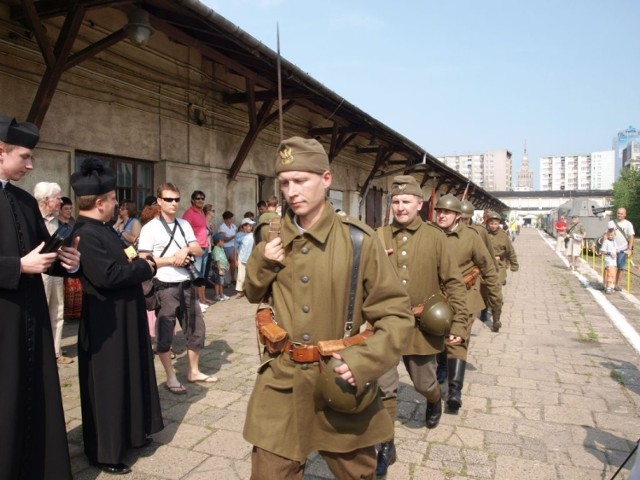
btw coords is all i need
(492, 171)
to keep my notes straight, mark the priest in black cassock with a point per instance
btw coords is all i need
(33, 439)
(118, 389)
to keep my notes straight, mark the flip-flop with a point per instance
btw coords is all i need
(206, 379)
(176, 390)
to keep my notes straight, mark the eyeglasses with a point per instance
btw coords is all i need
(199, 198)
(169, 199)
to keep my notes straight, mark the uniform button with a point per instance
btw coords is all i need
(404, 282)
(304, 250)
(404, 266)
(404, 253)
(404, 239)
(305, 366)
(306, 309)
(304, 279)
(306, 337)
(276, 269)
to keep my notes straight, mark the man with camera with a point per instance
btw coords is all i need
(174, 247)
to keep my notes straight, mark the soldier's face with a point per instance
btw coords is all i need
(446, 218)
(305, 194)
(493, 225)
(405, 208)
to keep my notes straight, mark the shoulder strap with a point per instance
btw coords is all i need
(357, 239)
(171, 234)
(621, 231)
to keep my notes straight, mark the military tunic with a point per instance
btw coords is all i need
(469, 250)
(310, 292)
(423, 262)
(504, 253)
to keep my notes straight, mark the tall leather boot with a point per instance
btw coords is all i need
(441, 371)
(456, 380)
(386, 457)
(484, 315)
(433, 414)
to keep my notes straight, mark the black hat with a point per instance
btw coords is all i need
(93, 178)
(23, 134)
(150, 200)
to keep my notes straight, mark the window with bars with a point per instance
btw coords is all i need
(134, 178)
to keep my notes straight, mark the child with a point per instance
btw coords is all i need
(221, 267)
(609, 251)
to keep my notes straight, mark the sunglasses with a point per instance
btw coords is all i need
(169, 199)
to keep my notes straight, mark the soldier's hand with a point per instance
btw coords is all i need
(36, 262)
(344, 371)
(389, 251)
(455, 340)
(274, 250)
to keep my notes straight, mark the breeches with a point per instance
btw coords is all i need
(355, 465)
(422, 371)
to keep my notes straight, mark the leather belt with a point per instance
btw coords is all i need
(301, 352)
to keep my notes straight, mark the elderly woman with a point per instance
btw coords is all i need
(49, 201)
(127, 225)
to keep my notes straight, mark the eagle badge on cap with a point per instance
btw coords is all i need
(286, 156)
(402, 187)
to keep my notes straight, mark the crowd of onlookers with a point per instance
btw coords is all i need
(615, 246)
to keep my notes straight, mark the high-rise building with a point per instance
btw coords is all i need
(631, 155)
(491, 170)
(525, 176)
(593, 171)
(620, 141)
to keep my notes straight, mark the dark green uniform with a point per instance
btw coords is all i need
(310, 292)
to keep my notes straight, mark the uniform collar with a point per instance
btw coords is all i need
(319, 231)
(411, 226)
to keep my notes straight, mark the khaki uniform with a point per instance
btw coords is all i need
(422, 262)
(504, 252)
(310, 297)
(484, 236)
(469, 250)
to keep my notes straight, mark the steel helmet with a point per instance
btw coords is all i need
(467, 209)
(437, 315)
(449, 202)
(336, 393)
(494, 216)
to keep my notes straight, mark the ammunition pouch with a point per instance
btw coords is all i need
(270, 334)
(471, 277)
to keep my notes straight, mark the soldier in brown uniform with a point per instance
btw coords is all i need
(504, 252)
(307, 273)
(418, 253)
(473, 260)
(467, 213)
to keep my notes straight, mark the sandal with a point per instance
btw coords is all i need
(176, 390)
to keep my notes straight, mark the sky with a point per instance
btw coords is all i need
(468, 76)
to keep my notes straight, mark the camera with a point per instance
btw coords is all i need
(192, 270)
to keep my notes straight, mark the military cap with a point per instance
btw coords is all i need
(298, 154)
(449, 202)
(405, 185)
(23, 134)
(493, 216)
(467, 209)
(93, 178)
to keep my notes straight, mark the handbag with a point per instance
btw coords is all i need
(577, 237)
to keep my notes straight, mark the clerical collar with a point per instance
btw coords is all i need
(4, 183)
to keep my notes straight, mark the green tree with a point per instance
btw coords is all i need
(626, 193)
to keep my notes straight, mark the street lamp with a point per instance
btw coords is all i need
(139, 29)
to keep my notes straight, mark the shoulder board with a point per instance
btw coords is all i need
(433, 225)
(349, 220)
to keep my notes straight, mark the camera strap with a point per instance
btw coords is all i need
(176, 225)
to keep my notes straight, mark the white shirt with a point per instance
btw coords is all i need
(154, 238)
(229, 231)
(626, 226)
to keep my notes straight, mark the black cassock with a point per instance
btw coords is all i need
(118, 389)
(33, 439)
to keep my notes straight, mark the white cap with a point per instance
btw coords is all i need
(247, 220)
